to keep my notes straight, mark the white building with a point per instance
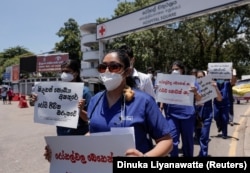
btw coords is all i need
(91, 56)
(90, 49)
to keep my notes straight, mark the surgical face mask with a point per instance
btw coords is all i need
(111, 80)
(176, 72)
(220, 81)
(67, 77)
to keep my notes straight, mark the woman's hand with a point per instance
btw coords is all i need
(83, 113)
(214, 84)
(48, 153)
(197, 96)
(132, 152)
(193, 89)
(81, 104)
(33, 97)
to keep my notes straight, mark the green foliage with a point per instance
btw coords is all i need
(11, 57)
(71, 42)
(196, 42)
(14, 51)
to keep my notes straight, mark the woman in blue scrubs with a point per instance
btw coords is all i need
(71, 73)
(222, 108)
(182, 118)
(206, 114)
(121, 105)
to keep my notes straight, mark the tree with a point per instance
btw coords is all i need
(71, 42)
(14, 51)
(198, 41)
(11, 57)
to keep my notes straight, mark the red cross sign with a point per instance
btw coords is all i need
(102, 30)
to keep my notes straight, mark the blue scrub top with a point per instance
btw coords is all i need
(142, 113)
(226, 95)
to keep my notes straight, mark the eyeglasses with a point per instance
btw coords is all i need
(113, 67)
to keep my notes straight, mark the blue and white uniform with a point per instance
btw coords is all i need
(142, 113)
(182, 120)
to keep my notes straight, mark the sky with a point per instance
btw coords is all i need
(33, 24)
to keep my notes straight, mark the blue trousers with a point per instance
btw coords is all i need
(221, 116)
(183, 128)
(204, 132)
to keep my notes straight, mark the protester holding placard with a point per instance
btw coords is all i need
(222, 108)
(71, 73)
(121, 105)
(205, 111)
(182, 118)
(221, 72)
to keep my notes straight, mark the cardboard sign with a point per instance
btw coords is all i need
(220, 70)
(207, 91)
(90, 154)
(57, 103)
(175, 89)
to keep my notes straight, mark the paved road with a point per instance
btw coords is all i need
(238, 142)
(22, 141)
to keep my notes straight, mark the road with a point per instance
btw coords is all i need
(238, 141)
(22, 141)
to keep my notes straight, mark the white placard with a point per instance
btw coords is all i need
(207, 91)
(57, 103)
(89, 154)
(175, 89)
(220, 70)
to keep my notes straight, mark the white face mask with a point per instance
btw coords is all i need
(67, 77)
(220, 81)
(111, 80)
(176, 72)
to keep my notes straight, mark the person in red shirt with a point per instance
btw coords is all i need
(10, 95)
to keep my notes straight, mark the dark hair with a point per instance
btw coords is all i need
(128, 50)
(150, 69)
(124, 58)
(180, 64)
(73, 65)
(201, 71)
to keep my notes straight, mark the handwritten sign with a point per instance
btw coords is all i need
(220, 70)
(57, 103)
(90, 154)
(175, 89)
(207, 91)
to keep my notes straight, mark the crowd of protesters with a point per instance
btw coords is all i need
(128, 91)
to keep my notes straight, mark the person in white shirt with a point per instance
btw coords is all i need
(143, 80)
